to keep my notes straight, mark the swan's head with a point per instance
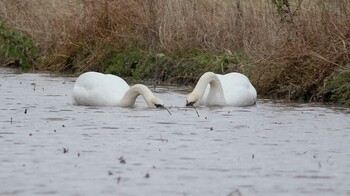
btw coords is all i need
(155, 102)
(192, 99)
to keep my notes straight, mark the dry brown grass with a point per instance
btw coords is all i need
(314, 47)
(170, 25)
(252, 25)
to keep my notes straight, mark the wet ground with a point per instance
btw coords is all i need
(48, 146)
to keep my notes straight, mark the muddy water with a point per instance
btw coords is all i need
(48, 146)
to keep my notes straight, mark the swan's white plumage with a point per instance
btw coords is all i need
(98, 89)
(232, 89)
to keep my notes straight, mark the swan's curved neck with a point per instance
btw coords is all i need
(130, 96)
(208, 78)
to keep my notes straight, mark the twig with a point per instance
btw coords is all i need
(168, 110)
(196, 111)
(323, 58)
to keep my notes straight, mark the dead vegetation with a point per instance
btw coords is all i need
(295, 47)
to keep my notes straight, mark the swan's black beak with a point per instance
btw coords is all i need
(190, 103)
(159, 105)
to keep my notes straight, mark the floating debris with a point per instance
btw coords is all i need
(167, 109)
(33, 84)
(25, 111)
(122, 160)
(147, 175)
(65, 150)
(30, 134)
(110, 173)
(162, 139)
(196, 111)
(235, 193)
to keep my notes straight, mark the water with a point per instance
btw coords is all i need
(57, 148)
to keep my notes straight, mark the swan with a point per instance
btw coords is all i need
(98, 89)
(232, 89)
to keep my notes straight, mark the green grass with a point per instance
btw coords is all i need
(16, 47)
(338, 88)
(137, 64)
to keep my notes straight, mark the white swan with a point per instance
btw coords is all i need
(232, 89)
(98, 89)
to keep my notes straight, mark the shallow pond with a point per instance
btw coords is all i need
(48, 146)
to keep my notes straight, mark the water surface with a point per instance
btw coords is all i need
(49, 146)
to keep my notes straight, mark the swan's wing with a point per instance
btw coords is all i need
(238, 90)
(116, 84)
(98, 89)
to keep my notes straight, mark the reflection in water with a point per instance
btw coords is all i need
(271, 148)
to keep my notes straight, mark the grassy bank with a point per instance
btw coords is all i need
(296, 49)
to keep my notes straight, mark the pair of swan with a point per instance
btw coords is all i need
(97, 89)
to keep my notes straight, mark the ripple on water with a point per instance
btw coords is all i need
(240, 126)
(109, 128)
(138, 116)
(166, 123)
(46, 192)
(187, 158)
(6, 133)
(66, 110)
(312, 177)
(270, 144)
(55, 119)
(54, 111)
